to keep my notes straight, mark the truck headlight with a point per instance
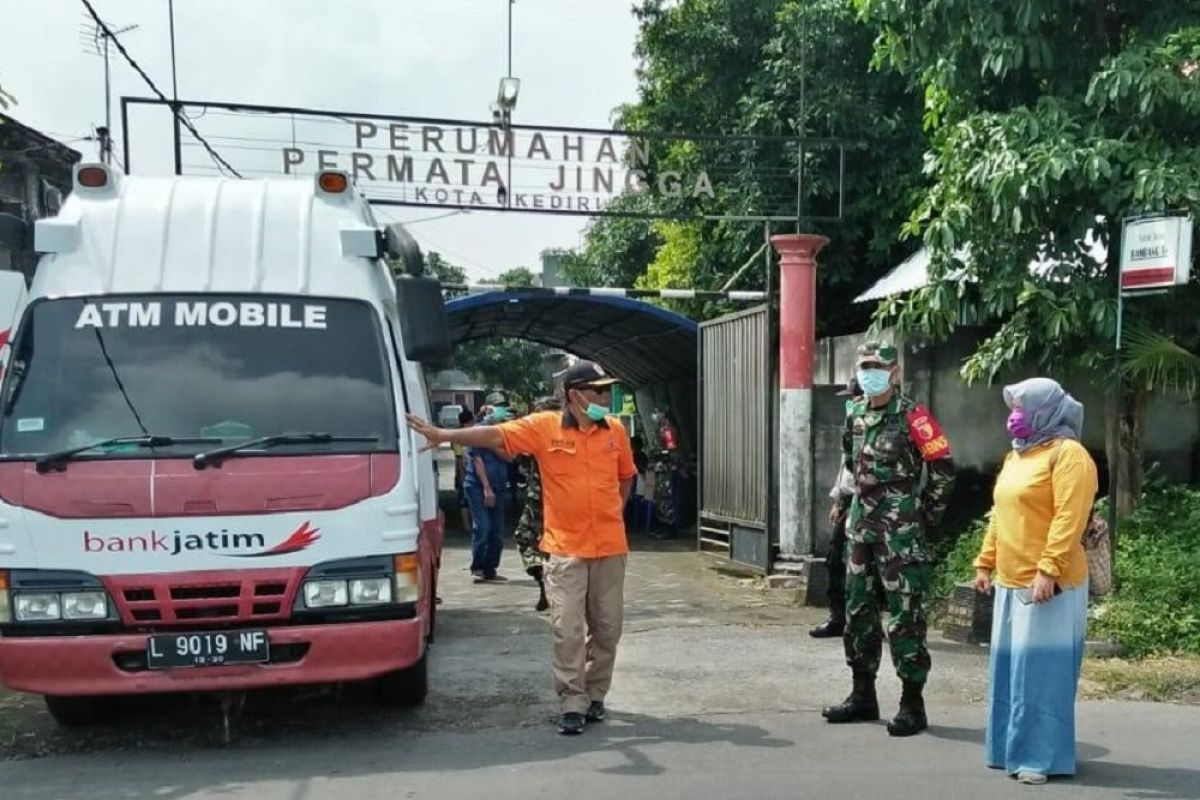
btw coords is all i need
(370, 591)
(408, 577)
(38, 607)
(84, 605)
(5, 611)
(325, 594)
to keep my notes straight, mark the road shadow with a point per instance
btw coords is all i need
(144, 775)
(978, 736)
(1137, 780)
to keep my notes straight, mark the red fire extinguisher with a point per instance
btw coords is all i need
(666, 433)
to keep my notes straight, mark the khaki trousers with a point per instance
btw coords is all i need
(587, 597)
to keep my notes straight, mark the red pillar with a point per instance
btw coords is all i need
(797, 306)
(797, 348)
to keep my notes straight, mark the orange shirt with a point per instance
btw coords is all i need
(582, 473)
(1043, 499)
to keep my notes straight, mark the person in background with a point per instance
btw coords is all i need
(903, 474)
(1033, 559)
(465, 420)
(835, 560)
(531, 524)
(587, 472)
(486, 488)
(666, 472)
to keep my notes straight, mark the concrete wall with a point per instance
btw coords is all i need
(973, 417)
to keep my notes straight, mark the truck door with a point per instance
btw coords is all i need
(13, 296)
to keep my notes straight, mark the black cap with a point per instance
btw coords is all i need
(496, 399)
(586, 373)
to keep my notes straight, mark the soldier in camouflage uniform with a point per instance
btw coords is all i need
(529, 527)
(903, 473)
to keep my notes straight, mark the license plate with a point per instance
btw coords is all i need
(207, 649)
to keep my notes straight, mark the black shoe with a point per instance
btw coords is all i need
(596, 712)
(571, 724)
(911, 718)
(860, 706)
(908, 723)
(828, 629)
(855, 708)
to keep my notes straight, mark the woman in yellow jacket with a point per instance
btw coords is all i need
(1033, 557)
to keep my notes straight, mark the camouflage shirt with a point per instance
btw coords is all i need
(887, 450)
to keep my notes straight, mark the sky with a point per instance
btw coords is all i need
(428, 58)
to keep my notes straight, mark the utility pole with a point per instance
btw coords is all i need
(175, 95)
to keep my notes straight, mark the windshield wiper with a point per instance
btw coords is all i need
(58, 460)
(202, 460)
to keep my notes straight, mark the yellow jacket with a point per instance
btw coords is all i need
(1042, 503)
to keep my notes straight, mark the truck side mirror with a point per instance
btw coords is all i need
(401, 246)
(423, 323)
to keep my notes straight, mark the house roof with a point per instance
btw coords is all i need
(913, 272)
(18, 139)
(637, 342)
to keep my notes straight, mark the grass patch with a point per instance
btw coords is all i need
(1161, 679)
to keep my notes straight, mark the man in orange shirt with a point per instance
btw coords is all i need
(587, 472)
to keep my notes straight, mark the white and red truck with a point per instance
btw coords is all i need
(206, 482)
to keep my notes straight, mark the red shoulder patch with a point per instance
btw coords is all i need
(927, 434)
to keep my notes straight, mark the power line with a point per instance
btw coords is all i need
(183, 120)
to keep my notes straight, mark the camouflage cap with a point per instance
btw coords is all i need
(880, 353)
(547, 404)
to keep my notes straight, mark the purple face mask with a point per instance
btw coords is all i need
(1018, 426)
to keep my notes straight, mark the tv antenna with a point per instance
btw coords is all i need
(95, 41)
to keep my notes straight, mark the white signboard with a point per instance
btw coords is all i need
(1156, 252)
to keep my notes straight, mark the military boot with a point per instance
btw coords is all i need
(860, 706)
(836, 624)
(911, 718)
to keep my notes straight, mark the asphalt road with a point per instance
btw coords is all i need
(717, 695)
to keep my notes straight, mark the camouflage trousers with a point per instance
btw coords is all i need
(664, 493)
(905, 580)
(529, 535)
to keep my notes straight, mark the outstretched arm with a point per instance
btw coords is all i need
(486, 436)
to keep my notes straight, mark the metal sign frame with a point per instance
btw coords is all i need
(800, 144)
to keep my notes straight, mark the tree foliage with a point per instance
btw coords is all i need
(1038, 151)
(1051, 121)
(449, 274)
(514, 365)
(765, 71)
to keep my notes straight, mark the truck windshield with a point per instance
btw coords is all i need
(223, 368)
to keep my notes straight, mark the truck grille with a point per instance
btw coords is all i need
(204, 598)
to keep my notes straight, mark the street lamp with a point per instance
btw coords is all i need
(506, 101)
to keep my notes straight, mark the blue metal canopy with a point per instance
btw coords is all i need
(635, 341)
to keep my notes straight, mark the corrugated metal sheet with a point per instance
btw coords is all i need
(913, 272)
(734, 473)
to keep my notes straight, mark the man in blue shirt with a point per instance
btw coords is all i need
(486, 490)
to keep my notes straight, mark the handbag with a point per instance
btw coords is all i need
(1097, 546)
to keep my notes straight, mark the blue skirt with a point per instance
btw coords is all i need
(1037, 652)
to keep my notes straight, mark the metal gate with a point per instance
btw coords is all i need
(736, 401)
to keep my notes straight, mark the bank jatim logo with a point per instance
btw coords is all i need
(222, 543)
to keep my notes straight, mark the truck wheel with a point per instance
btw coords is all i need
(77, 712)
(404, 688)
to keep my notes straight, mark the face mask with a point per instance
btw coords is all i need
(500, 413)
(1018, 426)
(874, 382)
(595, 412)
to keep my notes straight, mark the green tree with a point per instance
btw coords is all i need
(449, 274)
(1050, 120)
(767, 70)
(517, 277)
(514, 365)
